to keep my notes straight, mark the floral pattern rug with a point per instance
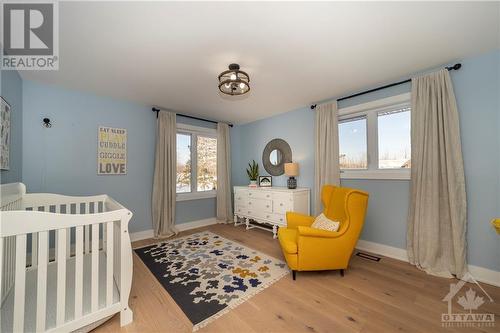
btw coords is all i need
(207, 275)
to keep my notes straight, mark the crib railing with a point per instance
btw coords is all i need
(60, 204)
(41, 230)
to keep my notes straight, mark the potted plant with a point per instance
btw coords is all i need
(253, 173)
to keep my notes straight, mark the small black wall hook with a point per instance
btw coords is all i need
(46, 123)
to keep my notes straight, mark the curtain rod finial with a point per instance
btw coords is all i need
(454, 67)
(313, 106)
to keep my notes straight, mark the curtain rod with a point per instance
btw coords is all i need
(454, 67)
(190, 117)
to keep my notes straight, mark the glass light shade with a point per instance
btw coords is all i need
(291, 169)
(234, 81)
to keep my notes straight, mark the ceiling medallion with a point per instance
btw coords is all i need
(233, 81)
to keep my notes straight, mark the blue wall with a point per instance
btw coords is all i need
(11, 89)
(476, 87)
(62, 159)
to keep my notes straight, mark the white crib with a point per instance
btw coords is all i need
(65, 262)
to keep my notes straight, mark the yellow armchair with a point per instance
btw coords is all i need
(496, 225)
(310, 249)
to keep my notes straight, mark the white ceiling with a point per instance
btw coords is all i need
(169, 54)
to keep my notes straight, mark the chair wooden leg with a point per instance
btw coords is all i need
(294, 274)
(342, 272)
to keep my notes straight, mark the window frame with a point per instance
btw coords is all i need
(371, 111)
(195, 131)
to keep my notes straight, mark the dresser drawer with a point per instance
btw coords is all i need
(277, 218)
(240, 198)
(241, 210)
(260, 195)
(260, 205)
(282, 203)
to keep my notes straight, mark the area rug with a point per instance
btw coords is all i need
(207, 275)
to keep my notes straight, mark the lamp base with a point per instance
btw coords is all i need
(292, 183)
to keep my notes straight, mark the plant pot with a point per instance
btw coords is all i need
(253, 183)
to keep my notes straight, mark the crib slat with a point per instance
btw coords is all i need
(95, 268)
(68, 244)
(58, 211)
(12, 263)
(41, 289)
(56, 246)
(104, 237)
(34, 249)
(87, 239)
(20, 286)
(78, 272)
(61, 277)
(109, 263)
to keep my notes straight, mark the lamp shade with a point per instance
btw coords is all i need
(291, 169)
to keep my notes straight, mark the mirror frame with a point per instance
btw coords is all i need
(286, 152)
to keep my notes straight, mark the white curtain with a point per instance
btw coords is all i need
(437, 217)
(163, 200)
(224, 204)
(327, 169)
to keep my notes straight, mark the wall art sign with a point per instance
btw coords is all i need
(112, 151)
(4, 134)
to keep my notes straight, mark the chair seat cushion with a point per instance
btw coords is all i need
(288, 240)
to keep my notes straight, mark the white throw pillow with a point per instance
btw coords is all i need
(324, 223)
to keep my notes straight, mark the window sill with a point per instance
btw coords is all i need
(196, 196)
(378, 174)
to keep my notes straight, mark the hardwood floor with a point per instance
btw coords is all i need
(384, 296)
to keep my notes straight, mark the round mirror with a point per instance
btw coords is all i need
(275, 157)
(276, 153)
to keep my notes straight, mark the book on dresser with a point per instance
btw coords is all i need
(266, 207)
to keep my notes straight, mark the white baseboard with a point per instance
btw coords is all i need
(145, 234)
(140, 235)
(384, 250)
(481, 274)
(195, 224)
(485, 275)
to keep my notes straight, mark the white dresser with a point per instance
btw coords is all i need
(268, 205)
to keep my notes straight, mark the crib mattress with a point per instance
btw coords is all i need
(31, 292)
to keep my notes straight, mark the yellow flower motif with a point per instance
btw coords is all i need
(263, 269)
(255, 259)
(243, 273)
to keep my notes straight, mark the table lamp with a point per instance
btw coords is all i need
(292, 170)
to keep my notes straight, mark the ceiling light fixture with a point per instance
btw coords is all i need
(233, 81)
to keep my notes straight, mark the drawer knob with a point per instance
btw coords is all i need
(281, 219)
(267, 216)
(248, 212)
(281, 204)
(249, 203)
(249, 193)
(267, 196)
(267, 206)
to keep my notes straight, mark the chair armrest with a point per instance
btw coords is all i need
(293, 220)
(313, 232)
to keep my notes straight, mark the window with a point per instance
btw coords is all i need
(183, 163)
(352, 144)
(207, 163)
(374, 139)
(196, 162)
(394, 150)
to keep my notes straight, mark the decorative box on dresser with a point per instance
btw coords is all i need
(268, 205)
